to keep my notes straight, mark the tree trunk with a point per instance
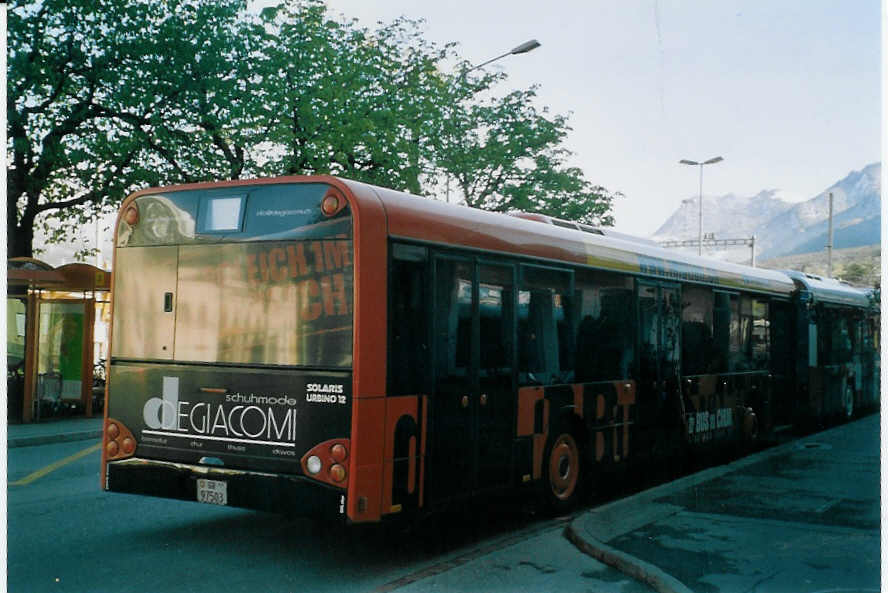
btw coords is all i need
(20, 237)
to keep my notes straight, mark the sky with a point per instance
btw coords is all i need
(788, 92)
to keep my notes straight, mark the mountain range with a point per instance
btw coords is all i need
(782, 227)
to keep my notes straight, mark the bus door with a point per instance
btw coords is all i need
(659, 325)
(472, 411)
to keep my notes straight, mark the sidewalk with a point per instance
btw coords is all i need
(53, 431)
(800, 517)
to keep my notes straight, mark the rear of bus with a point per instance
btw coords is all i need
(231, 351)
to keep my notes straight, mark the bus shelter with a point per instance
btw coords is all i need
(56, 339)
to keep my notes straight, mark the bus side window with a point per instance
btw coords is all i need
(605, 337)
(534, 309)
(545, 334)
(696, 337)
(453, 298)
(761, 335)
(408, 348)
(723, 326)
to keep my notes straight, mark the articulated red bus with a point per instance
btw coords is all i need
(319, 346)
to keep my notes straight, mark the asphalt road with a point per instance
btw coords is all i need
(809, 515)
(66, 534)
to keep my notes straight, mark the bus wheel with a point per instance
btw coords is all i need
(561, 477)
(848, 402)
(750, 434)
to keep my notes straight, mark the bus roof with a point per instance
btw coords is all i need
(432, 221)
(832, 291)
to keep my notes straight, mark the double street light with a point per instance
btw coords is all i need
(711, 161)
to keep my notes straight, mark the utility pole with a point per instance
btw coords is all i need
(829, 241)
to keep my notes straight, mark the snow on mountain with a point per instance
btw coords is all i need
(727, 216)
(856, 199)
(784, 228)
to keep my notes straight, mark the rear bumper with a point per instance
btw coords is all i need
(275, 493)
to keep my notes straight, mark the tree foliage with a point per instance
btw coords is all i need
(104, 96)
(505, 154)
(108, 96)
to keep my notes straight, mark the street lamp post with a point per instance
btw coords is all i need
(521, 49)
(711, 161)
(525, 47)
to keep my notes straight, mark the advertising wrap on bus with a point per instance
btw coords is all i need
(260, 420)
(232, 329)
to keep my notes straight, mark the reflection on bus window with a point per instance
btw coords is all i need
(606, 330)
(697, 342)
(494, 302)
(453, 300)
(544, 327)
(269, 303)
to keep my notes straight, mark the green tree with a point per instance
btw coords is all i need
(346, 101)
(108, 96)
(505, 154)
(105, 96)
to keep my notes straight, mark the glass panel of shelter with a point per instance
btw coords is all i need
(61, 354)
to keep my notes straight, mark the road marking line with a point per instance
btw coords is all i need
(54, 466)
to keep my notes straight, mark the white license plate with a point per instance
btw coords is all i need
(212, 491)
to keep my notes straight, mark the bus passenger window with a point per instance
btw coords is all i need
(605, 340)
(495, 305)
(697, 344)
(531, 331)
(761, 335)
(563, 314)
(453, 303)
(545, 342)
(743, 353)
(722, 332)
(409, 330)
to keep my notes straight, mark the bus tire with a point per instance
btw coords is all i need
(562, 469)
(750, 432)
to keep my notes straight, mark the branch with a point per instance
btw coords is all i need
(57, 89)
(52, 141)
(95, 193)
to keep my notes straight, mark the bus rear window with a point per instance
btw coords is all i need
(269, 212)
(219, 214)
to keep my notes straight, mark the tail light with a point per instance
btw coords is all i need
(333, 203)
(119, 440)
(337, 472)
(131, 215)
(324, 462)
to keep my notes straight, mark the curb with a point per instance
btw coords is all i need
(641, 570)
(52, 438)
